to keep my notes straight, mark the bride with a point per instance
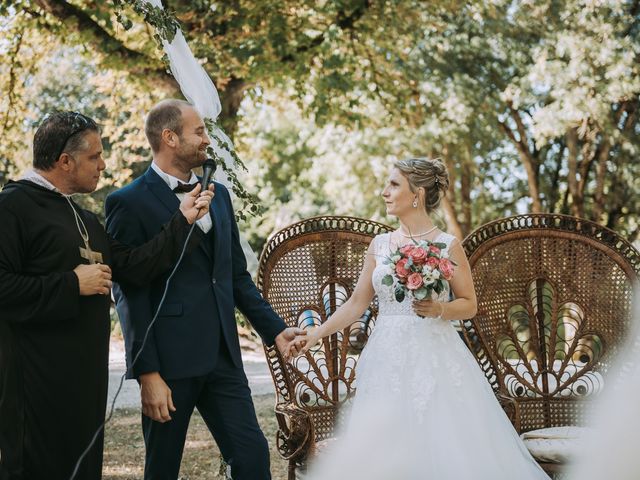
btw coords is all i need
(423, 409)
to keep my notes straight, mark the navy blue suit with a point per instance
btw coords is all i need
(194, 342)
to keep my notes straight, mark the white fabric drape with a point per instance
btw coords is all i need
(199, 90)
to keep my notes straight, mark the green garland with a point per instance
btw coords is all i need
(164, 21)
(250, 202)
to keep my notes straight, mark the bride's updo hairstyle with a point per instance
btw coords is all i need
(429, 174)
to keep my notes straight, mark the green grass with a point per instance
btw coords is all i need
(124, 446)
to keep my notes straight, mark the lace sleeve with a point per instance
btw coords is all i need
(448, 239)
(377, 244)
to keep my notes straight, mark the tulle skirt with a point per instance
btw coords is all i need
(423, 410)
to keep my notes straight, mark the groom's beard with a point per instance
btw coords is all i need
(191, 156)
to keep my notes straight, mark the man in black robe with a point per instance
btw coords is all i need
(56, 267)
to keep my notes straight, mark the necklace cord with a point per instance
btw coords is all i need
(418, 234)
(78, 219)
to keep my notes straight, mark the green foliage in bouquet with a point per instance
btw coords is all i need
(419, 269)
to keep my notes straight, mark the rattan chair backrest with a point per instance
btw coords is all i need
(306, 272)
(554, 308)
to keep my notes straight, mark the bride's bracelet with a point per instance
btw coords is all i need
(440, 316)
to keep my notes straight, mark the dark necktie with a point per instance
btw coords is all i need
(185, 187)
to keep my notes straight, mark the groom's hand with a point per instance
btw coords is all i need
(156, 397)
(195, 205)
(288, 341)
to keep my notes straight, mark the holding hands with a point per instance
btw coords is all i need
(293, 342)
(302, 343)
(312, 338)
(290, 342)
(305, 340)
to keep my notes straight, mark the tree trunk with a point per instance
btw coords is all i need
(616, 206)
(528, 160)
(231, 98)
(466, 174)
(577, 200)
(614, 215)
(449, 201)
(631, 109)
(601, 176)
(453, 225)
(13, 78)
(554, 188)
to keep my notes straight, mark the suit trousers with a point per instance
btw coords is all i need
(223, 398)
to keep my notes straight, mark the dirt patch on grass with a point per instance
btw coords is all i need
(124, 446)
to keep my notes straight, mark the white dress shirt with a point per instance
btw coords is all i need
(205, 222)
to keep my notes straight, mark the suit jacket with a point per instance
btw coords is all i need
(198, 312)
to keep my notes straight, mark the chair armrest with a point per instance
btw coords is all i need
(295, 437)
(511, 408)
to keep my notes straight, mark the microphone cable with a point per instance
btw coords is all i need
(135, 359)
(209, 167)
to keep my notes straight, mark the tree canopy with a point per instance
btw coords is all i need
(533, 105)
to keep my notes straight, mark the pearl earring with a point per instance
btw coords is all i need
(415, 204)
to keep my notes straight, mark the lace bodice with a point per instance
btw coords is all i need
(404, 349)
(386, 300)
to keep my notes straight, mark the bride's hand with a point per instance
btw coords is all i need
(428, 308)
(296, 347)
(311, 339)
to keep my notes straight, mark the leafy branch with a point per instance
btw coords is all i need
(250, 202)
(166, 26)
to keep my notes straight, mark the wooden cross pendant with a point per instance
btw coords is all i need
(88, 254)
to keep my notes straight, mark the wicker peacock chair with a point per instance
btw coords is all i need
(554, 308)
(306, 271)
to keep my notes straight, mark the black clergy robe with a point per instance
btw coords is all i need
(54, 343)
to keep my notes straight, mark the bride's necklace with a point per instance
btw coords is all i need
(418, 234)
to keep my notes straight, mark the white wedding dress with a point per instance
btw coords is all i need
(423, 409)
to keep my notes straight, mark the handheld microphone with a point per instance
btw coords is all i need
(208, 169)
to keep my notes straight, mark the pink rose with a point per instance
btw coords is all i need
(433, 262)
(406, 250)
(401, 269)
(414, 281)
(419, 255)
(446, 268)
(433, 249)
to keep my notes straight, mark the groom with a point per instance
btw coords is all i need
(192, 356)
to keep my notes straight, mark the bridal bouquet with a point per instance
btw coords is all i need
(420, 269)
